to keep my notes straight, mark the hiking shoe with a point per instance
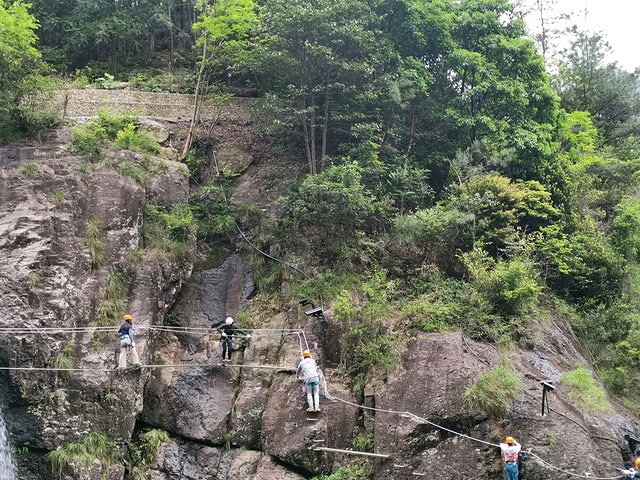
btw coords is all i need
(317, 409)
(310, 409)
(138, 364)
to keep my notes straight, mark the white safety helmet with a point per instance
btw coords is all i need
(229, 321)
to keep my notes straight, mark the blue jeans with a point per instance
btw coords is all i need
(512, 470)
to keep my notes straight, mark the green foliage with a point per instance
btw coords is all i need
(146, 449)
(33, 278)
(501, 209)
(366, 344)
(509, 285)
(358, 470)
(445, 304)
(111, 125)
(64, 360)
(111, 397)
(581, 266)
(89, 138)
(334, 205)
(626, 227)
(586, 82)
(131, 138)
(95, 446)
(106, 82)
(112, 308)
(495, 391)
(584, 390)
(57, 198)
(256, 413)
(95, 242)
(194, 163)
(23, 110)
(171, 319)
(29, 169)
(169, 233)
(326, 285)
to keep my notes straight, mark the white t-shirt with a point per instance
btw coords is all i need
(510, 452)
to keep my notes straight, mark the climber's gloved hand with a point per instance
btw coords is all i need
(248, 336)
(224, 335)
(629, 472)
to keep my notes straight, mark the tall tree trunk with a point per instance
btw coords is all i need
(307, 146)
(325, 129)
(196, 103)
(314, 160)
(114, 55)
(171, 40)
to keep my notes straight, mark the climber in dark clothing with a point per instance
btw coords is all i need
(227, 331)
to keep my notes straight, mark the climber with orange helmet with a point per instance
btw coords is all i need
(127, 344)
(511, 453)
(632, 472)
(309, 370)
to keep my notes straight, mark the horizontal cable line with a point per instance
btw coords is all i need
(178, 365)
(424, 420)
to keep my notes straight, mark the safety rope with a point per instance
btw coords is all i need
(424, 420)
(177, 365)
(226, 202)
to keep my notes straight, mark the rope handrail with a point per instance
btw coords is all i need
(176, 365)
(424, 420)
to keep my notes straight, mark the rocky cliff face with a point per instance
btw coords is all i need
(231, 422)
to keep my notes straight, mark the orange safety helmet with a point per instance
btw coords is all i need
(306, 354)
(128, 318)
(638, 462)
(509, 440)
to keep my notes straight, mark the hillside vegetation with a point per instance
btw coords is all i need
(434, 176)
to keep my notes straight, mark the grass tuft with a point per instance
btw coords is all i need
(495, 391)
(584, 390)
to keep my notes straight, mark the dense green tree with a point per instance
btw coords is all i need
(76, 32)
(611, 95)
(21, 73)
(329, 208)
(317, 61)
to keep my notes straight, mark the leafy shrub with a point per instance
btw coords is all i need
(366, 346)
(584, 390)
(326, 285)
(509, 285)
(95, 446)
(145, 450)
(114, 121)
(169, 233)
(501, 207)
(581, 266)
(626, 227)
(89, 138)
(106, 82)
(358, 470)
(131, 138)
(495, 391)
(334, 205)
(95, 242)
